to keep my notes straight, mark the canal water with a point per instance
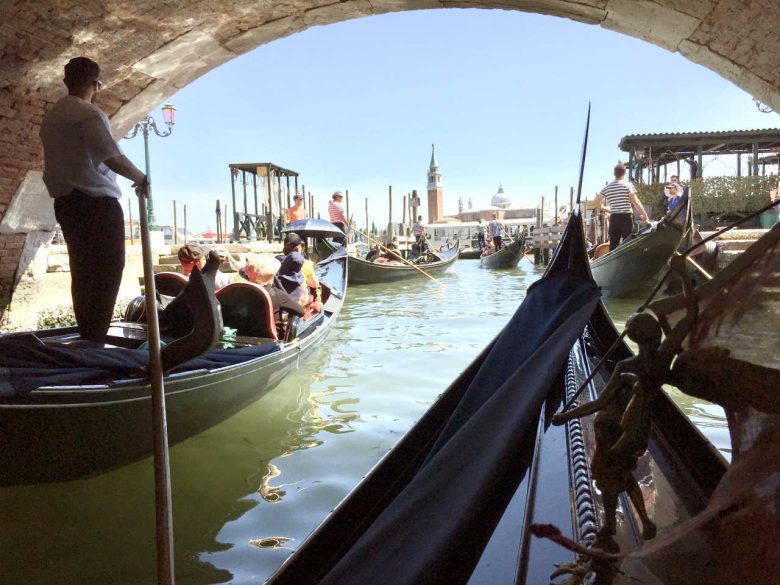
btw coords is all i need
(247, 491)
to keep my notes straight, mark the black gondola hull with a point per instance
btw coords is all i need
(507, 257)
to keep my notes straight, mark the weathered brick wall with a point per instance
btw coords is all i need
(148, 49)
(11, 246)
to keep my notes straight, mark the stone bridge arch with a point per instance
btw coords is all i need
(149, 50)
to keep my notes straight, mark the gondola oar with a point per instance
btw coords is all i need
(162, 472)
(402, 259)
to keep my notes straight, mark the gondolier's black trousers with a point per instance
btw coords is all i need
(95, 235)
(620, 227)
(339, 225)
(497, 242)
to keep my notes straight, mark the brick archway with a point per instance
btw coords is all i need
(154, 49)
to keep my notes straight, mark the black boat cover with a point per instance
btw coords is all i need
(433, 532)
(27, 364)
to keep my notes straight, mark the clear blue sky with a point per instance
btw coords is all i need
(503, 96)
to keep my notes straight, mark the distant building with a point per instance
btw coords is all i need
(500, 204)
(435, 191)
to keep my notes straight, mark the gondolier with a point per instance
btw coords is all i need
(81, 161)
(495, 229)
(620, 196)
(336, 214)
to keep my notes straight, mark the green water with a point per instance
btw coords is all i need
(277, 468)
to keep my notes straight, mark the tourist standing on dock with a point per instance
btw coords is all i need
(81, 161)
(336, 214)
(297, 211)
(494, 227)
(620, 196)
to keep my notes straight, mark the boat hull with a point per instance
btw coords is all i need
(507, 257)
(469, 254)
(634, 264)
(363, 272)
(65, 433)
(682, 469)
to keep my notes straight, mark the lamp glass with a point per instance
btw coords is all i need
(169, 114)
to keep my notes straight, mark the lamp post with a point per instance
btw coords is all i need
(169, 116)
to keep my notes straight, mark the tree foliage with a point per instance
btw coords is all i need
(716, 194)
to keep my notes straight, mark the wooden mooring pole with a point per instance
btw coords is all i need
(175, 226)
(390, 214)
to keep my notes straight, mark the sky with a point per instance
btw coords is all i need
(503, 95)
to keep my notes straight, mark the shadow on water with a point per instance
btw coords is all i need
(247, 491)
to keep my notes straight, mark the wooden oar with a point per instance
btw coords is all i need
(162, 472)
(402, 259)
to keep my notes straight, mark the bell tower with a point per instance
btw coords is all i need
(435, 193)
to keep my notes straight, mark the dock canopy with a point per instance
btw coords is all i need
(653, 151)
(267, 219)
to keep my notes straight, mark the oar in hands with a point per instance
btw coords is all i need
(402, 259)
(162, 472)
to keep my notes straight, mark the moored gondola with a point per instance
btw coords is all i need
(69, 411)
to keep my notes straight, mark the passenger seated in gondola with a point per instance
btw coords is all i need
(294, 243)
(421, 247)
(262, 270)
(291, 278)
(390, 255)
(372, 255)
(191, 255)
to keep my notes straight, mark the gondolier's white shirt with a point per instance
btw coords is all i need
(76, 137)
(418, 228)
(494, 227)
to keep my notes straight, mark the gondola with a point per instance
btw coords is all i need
(469, 253)
(362, 271)
(637, 261)
(454, 500)
(68, 411)
(507, 257)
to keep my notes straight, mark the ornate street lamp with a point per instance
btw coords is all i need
(169, 117)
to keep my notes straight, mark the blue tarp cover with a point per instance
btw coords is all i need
(27, 364)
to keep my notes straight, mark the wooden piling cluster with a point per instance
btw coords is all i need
(545, 236)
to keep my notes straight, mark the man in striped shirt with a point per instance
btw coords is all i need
(620, 196)
(336, 213)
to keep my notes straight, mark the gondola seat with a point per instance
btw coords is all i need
(247, 308)
(169, 284)
(600, 250)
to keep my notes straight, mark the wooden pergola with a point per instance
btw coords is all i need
(650, 153)
(260, 224)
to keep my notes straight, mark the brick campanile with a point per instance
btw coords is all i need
(435, 193)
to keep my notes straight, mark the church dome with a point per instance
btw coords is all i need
(501, 199)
